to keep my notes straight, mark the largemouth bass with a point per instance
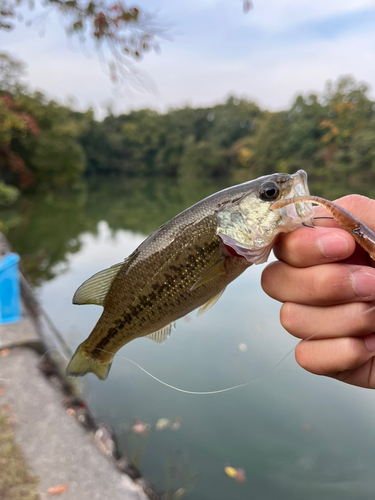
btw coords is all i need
(186, 264)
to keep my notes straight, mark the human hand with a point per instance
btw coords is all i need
(327, 285)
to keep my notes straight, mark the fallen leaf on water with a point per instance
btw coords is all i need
(57, 490)
(162, 423)
(236, 474)
(230, 471)
(2, 391)
(71, 411)
(180, 493)
(176, 424)
(241, 476)
(4, 352)
(141, 428)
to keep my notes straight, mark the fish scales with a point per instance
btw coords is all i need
(158, 288)
(183, 265)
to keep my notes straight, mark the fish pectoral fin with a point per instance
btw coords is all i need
(214, 271)
(210, 303)
(95, 289)
(163, 334)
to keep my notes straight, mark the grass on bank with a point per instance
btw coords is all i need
(16, 483)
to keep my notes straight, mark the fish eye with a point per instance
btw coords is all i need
(269, 191)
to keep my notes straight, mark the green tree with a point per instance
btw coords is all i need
(331, 136)
(201, 159)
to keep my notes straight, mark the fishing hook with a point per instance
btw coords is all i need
(323, 217)
(358, 232)
(313, 227)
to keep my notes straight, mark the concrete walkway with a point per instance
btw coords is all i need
(56, 447)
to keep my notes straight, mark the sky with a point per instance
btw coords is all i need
(212, 49)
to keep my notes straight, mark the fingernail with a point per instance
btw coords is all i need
(363, 284)
(333, 245)
(370, 342)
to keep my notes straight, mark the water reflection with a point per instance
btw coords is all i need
(295, 435)
(46, 228)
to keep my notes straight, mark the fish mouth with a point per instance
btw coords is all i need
(299, 212)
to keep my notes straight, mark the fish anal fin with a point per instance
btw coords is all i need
(210, 303)
(212, 273)
(160, 336)
(95, 289)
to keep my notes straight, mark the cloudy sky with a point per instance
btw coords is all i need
(276, 50)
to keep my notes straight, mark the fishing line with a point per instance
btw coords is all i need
(200, 393)
(53, 349)
(366, 312)
(227, 389)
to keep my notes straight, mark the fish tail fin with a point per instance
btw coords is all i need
(81, 363)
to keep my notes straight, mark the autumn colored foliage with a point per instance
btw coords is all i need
(44, 145)
(15, 122)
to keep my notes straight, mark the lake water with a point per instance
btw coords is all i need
(294, 434)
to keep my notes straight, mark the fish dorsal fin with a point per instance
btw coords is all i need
(210, 303)
(214, 271)
(95, 289)
(162, 335)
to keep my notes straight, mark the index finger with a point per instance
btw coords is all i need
(309, 247)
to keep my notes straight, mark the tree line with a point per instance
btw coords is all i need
(47, 146)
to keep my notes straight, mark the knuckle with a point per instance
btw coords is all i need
(302, 357)
(331, 355)
(363, 320)
(288, 317)
(351, 351)
(316, 286)
(269, 277)
(285, 316)
(331, 284)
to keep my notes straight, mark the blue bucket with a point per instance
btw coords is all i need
(10, 304)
